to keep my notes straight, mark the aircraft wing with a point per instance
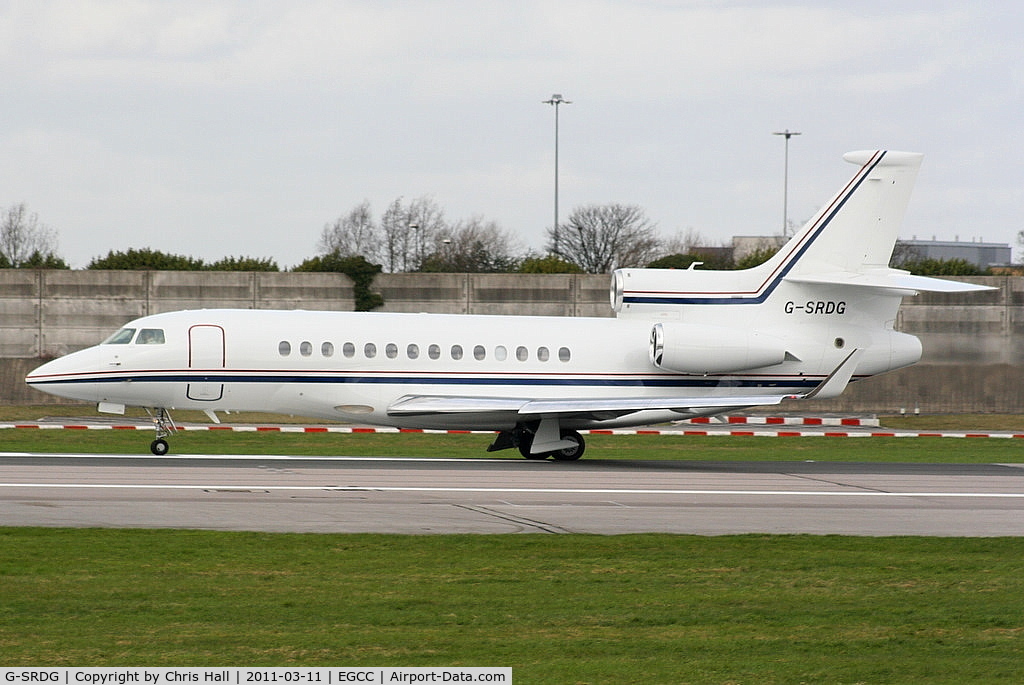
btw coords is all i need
(605, 408)
(618, 406)
(595, 408)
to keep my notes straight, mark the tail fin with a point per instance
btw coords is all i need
(848, 242)
(856, 229)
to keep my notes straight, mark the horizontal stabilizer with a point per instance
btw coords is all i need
(892, 280)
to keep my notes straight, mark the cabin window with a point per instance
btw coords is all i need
(456, 351)
(479, 353)
(348, 349)
(122, 337)
(391, 350)
(284, 348)
(543, 354)
(327, 349)
(522, 354)
(370, 350)
(434, 352)
(563, 354)
(150, 336)
(305, 348)
(500, 353)
(412, 351)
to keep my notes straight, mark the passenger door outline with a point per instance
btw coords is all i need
(206, 351)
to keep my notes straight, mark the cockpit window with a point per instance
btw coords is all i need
(122, 337)
(150, 336)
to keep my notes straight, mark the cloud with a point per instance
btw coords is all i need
(445, 49)
(199, 114)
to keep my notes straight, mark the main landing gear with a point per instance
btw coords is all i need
(164, 425)
(571, 453)
(534, 441)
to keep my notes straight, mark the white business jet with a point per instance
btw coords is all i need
(684, 343)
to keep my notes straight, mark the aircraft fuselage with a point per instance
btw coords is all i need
(354, 366)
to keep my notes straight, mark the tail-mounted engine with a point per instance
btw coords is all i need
(697, 348)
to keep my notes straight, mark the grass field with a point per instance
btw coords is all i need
(557, 609)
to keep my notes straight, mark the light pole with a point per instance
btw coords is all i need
(785, 181)
(555, 101)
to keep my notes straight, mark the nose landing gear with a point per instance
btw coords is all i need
(164, 425)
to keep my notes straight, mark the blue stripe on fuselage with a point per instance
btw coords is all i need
(672, 382)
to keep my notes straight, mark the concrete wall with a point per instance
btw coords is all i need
(49, 313)
(931, 389)
(972, 360)
(531, 294)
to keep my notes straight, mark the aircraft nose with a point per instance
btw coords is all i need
(61, 376)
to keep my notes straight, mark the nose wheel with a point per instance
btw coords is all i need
(159, 447)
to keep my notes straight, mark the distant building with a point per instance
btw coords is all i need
(714, 255)
(744, 245)
(982, 255)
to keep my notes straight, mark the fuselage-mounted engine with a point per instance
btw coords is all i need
(700, 348)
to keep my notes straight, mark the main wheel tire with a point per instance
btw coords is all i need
(570, 453)
(159, 447)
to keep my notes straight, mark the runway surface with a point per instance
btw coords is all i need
(425, 496)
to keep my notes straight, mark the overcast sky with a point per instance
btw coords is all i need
(219, 127)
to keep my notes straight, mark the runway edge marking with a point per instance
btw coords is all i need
(677, 432)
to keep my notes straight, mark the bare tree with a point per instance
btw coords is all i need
(353, 234)
(426, 221)
(473, 245)
(23, 238)
(601, 238)
(683, 242)
(414, 236)
(394, 236)
(406, 230)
